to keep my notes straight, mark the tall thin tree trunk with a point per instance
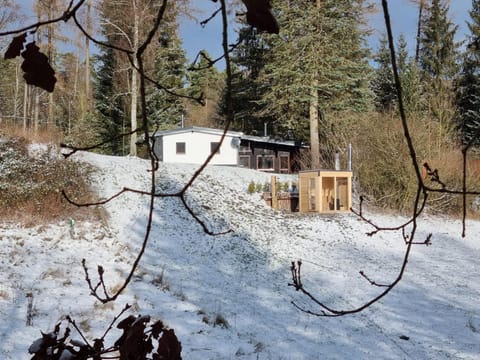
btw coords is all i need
(419, 30)
(36, 111)
(75, 90)
(25, 106)
(133, 111)
(313, 110)
(17, 91)
(51, 55)
(87, 58)
(314, 138)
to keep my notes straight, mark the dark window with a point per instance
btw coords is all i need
(284, 160)
(180, 148)
(244, 161)
(213, 146)
(265, 162)
(245, 150)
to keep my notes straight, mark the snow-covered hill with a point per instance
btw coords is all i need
(227, 297)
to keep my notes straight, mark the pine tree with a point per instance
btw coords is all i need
(316, 66)
(467, 85)
(169, 70)
(111, 119)
(383, 84)
(438, 61)
(248, 88)
(206, 82)
(438, 50)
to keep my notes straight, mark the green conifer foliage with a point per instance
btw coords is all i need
(205, 82)
(467, 85)
(169, 70)
(110, 120)
(383, 84)
(318, 55)
(248, 86)
(438, 49)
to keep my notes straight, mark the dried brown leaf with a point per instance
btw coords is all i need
(37, 70)
(15, 47)
(259, 15)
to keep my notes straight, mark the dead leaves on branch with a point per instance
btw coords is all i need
(16, 46)
(259, 15)
(36, 68)
(136, 343)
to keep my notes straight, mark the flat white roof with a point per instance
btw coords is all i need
(198, 130)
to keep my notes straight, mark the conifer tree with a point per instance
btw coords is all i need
(438, 50)
(383, 84)
(169, 70)
(110, 119)
(248, 87)
(206, 82)
(316, 65)
(467, 85)
(438, 62)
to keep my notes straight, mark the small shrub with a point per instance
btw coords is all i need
(258, 187)
(221, 321)
(32, 181)
(251, 187)
(266, 187)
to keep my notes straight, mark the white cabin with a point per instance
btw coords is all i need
(194, 144)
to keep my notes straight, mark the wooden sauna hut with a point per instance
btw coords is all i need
(325, 191)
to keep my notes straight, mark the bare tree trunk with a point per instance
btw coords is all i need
(313, 110)
(314, 139)
(87, 58)
(17, 91)
(75, 90)
(51, 55)
(419, 30)
(25, 106)
(134, 100)
(36, 111)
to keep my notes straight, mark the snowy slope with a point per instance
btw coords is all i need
(189, 279)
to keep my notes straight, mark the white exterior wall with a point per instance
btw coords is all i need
(197, 148)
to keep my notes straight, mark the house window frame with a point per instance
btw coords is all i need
(281, 169)
(213, 145)
(178, 147)
(244, 150)
(244, 156)
(272, 157)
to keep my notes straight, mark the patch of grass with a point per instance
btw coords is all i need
(4, 295)
(221, 321)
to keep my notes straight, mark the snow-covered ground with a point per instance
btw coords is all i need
(190, 279)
